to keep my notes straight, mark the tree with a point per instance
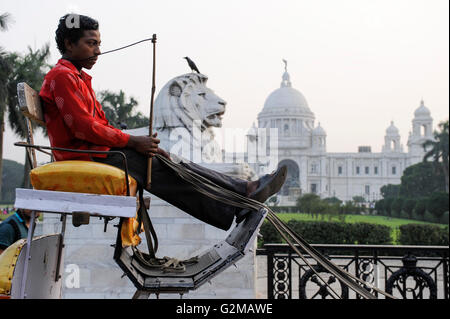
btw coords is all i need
(408, 206)
(350, 207)
(306, 202)
(4, 21)
(4, 71)
(332, 210)
(397, 206)
(438, 150)
(120, 111)
(332, 200)
(379, 206)
(30, 68)
(420, 208)
(359, 199)
(421, 179)
(319, 208)
(438, 204)
(390, 191)
(445, 218)
(388, 205)
(359, 202)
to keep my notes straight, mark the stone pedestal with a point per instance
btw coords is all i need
(88, 248)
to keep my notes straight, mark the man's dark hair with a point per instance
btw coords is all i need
(71, 27)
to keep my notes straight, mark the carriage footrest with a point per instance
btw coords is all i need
(210, 263)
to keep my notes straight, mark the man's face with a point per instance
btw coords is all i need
(86, 50)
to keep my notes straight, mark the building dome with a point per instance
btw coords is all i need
(286, 100)
(422, 111)
(392, 129)
(319, 131)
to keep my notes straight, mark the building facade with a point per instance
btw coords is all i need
(302, 146)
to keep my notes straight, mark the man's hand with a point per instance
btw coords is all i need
(147, 145)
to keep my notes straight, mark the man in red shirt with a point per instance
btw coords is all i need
(75, 120)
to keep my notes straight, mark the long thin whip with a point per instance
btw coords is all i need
(114, 50)
(129, 45)
(150, 126)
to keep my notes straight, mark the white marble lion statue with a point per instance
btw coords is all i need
(185, 112)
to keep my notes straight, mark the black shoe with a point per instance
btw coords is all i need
(268, 185)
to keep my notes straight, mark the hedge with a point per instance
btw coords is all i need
(318, 232)
(430, 209)
(331, 233)
(428, 235)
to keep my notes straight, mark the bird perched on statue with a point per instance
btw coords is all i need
(191, 64)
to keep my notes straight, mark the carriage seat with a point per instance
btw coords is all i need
(82, 177)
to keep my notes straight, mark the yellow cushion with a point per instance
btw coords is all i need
(89, 177)
(8, 260)
(82, 177)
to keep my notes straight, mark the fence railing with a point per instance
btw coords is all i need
(407, 272)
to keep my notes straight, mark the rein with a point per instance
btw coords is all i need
(226, 196)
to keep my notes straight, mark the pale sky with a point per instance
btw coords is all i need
(359, 63)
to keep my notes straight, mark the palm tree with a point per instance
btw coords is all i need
(4, 71)
(4, 20)
(30, 68)
(119, 111)
(438, 150)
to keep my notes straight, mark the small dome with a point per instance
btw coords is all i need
(392, 129)
(319, 131)
(253, 130)
(422, 111)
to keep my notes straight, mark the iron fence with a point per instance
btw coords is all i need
(407, 272)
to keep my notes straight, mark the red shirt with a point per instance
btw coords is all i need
(73, 116)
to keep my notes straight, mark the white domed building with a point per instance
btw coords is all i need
(302, 147)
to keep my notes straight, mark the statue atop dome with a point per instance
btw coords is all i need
(286, 78)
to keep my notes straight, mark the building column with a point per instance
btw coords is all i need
(303, 165)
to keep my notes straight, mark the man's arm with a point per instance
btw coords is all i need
(78, 116)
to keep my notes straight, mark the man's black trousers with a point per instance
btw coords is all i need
(169, 186)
